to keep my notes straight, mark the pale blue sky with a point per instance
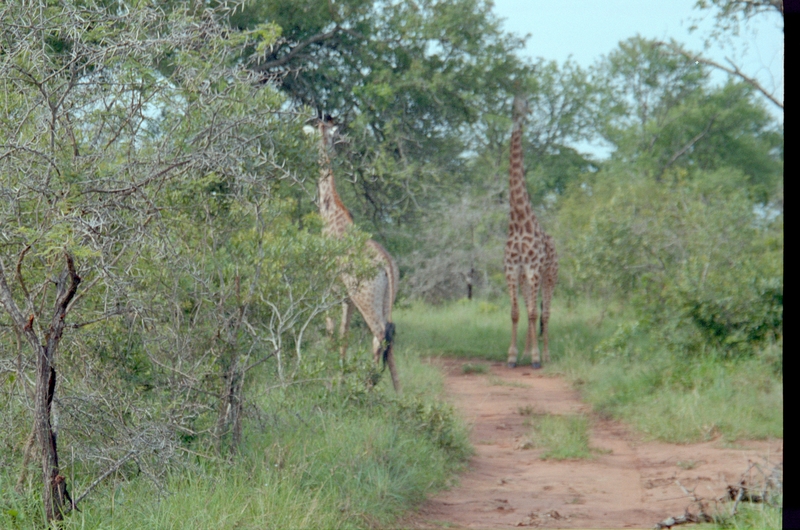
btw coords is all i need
(588, 29)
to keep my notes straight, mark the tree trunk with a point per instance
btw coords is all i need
(54, 493)
(229, 419)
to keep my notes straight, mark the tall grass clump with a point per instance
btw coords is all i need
(677, 397)
(562, 437)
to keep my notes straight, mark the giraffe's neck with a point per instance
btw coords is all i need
(334, 214)
(518, 198)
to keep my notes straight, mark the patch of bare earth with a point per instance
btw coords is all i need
(630, 483)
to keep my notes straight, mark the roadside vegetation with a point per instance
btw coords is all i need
(621, 370)
(314, 455)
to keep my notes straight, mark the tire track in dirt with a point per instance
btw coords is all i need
(629, 484)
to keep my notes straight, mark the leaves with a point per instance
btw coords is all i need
(693, 256)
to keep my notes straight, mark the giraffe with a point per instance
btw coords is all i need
(373, 297)
(530, 258)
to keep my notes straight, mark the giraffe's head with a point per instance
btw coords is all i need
(327, 129)
(520, 109)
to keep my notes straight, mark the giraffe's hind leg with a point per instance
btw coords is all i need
(548, 286)
(531, 292)
(371, 302)
(389, 344)
(347, 313)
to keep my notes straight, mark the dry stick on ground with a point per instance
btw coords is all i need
(741, 492)
(687, 517)
(73, 505)
(681, 519)
(738, 493)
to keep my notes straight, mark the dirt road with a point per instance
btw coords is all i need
(629, 484)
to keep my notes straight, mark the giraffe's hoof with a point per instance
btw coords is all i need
(512, 365)
(536, 365)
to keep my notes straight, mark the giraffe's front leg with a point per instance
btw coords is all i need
(330, 327)
(376, 350)
(512, 291)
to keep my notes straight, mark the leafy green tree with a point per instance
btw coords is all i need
(405, 80)
(642, 85)
(731, 14)
(561, 102)
(456, 244)
(662, 115)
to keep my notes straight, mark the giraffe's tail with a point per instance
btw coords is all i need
(388, 338)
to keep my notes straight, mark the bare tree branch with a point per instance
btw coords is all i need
(73, 505)
(732, 70)
(298, 48)
(688, 146)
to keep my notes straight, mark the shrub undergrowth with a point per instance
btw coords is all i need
(314, 455)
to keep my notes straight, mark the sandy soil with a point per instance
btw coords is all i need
(631, 483)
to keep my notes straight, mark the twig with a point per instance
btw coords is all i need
(737, 501)
(256, 363)
(209, 457)
(299, 47)
(99, 479)
(687, 517)
(683, 519)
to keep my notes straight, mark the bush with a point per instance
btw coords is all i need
(694, 257)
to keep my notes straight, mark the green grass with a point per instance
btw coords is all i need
(751, 517)
(562, 437)
(684, 400)
(474, 368)
(339, 458)
(482, 330)
(469, 330)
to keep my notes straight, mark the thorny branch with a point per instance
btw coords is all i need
(320, 37)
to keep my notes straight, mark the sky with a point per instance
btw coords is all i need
(585, 30)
